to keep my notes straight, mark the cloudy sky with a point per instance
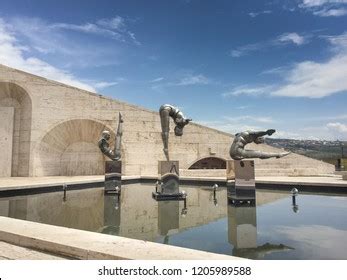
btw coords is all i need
(231, 65)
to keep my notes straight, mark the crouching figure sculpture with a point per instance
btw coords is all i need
(237, 149)
(113, 154)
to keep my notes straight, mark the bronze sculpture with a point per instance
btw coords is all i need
(113, 154)
(241, 139)
(166, 111)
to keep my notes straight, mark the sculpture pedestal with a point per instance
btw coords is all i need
(113, 176)
(168, 179)
(243, 189)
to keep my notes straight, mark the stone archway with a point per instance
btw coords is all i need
(15, 137)
(70, 149)
(209, 163)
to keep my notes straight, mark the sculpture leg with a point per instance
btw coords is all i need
(165, 128)
(262, 155)
(118, 140)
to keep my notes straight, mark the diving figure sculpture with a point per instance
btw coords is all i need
(166, 111)
(113, 154)
(237, 149)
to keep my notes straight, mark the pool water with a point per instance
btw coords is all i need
(315, 229)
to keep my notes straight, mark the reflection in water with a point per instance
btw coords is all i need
(242, 226)
(295, 207)
(112, 215)
(168, 217)
(318, 230)
(242, 233)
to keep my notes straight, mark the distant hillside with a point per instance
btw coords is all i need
(328, 151)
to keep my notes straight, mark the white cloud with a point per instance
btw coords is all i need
(331, 12)
(247, 90)
(90, 28)
(259, 119)
(230, 127)
(235, 124)
(325, 8)
(102, 85)
(132, 36)
(339, 42)
(315, 80)
(308, 78)
(12, 55)
(338, 127)
(193, 80)
(117, 23)
(317, 3)
(62, 47)
(185, 79)
(114, 28)
(243, 107)
(293, 38)
(157, 80)
(255, 14)
(282, 40)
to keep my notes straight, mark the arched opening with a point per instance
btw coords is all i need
(15, 130)
(71, 149)
(209, 163)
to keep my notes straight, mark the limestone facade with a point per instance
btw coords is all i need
(56, 128)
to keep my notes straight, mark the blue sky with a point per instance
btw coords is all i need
(231, 65)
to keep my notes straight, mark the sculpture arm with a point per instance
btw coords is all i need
(257, 134)
(105, 149)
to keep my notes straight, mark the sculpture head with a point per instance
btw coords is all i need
(180, 123)
(106, 135)
(259, 140)
(178, 130)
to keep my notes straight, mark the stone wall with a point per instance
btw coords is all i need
(57, 128)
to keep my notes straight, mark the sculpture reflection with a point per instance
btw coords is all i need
(168, 219)
(112, 215)
(242, 234)
(237, 149)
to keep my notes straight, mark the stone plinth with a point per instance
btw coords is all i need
(113, 175)
(168, 178)
(167, 168)
(243, 190)
(168, 175)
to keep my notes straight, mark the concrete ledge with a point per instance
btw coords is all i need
(86, 245)
(13, 252)
(34, 185)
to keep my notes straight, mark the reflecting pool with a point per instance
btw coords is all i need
(316, 228)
